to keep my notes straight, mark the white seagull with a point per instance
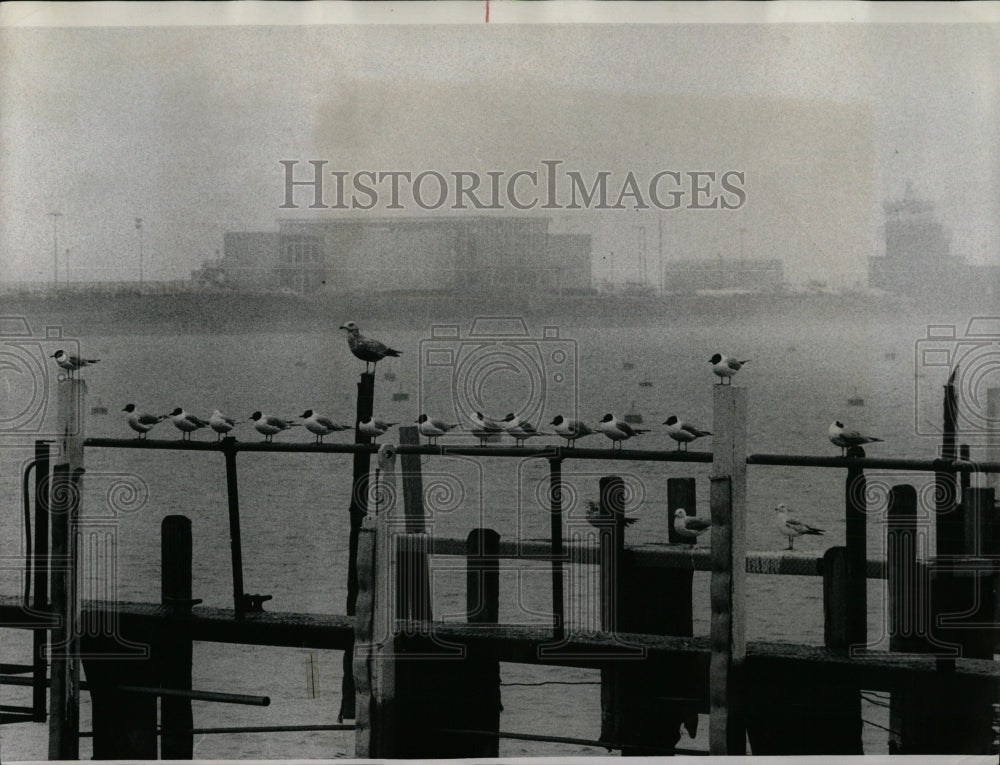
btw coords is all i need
(520, 429)
(141, 422)
(725, 367)
(367, 349)
(484, 427)
(268, 425)
(600, 519)
(374, 427)
(683, 433)
(790, 527)
(571, 429)
(617, 430)
(186, 423)
(843, 438)
(433, 429)
(689, 527)
(71, 362)
(320, 426)
(221, 424)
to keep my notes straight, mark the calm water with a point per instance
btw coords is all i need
(294, 507)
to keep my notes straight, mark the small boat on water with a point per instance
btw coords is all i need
(628, 365)
(99, 408)
(646, 384)
(389, 377)
(890, 355)
(855, 400)
(400, 395)
(632, 417)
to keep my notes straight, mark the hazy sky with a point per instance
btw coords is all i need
(185, 127)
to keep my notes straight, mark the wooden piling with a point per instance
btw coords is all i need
(235, 537)
(727, 722)
(557, 563)
(993, 436)
(856, 538)
(413, 482)
(175, 647)
(41, 563)
(358, 509)
(949, 525)
(611, 544)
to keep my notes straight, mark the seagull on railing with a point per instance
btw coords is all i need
(790, 527)
(725, 367)
(71, 362)
(186, 423)
(373, 427)
(520, 429)
(221, 424)
(571, 429)
(689, 526)
(617, 430)
(367, 349)
(268, 425)
(141, 422)
(433, 428)
(484, 427)
(839, 436)
(683, 433)
(320, 426)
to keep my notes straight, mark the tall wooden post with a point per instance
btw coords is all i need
(235, 535)
(64, 702)
(41, 562)
(413, 482)
(357, 510)
(949, 524)
(993, 436)
(611, 545)
(556, 525)
(727, 723)
(856, 538)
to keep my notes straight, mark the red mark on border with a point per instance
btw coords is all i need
(487, 11)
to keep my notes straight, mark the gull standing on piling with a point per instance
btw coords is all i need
(520, 429)
(600, 519)
(790, 527)
(484, 427)
(432, 428)
(689, 527)
(221, 424)
(840, 436)
(186, 423)
(571, 429)
(725, 367)
(320, 426)
(367, 349)
(617, 430)
(683, 433)
(71, 362)
(268, 425)
(373, 427)
(142, 423)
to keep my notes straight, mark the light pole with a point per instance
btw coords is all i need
(55, 247)
(138, 227)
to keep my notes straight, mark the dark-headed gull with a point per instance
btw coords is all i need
(683, 433)
(374, 427)
(840, 436)
(725, 367)
(520, 429)
(221, 424)
(617, 430)
(71, 362)
(186, 423)
(433, 428)
(320, 426)
(141, 422)
(571, 429)
(267, 425)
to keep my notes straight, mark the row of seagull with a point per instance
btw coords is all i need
(691, 527)
(265, 424)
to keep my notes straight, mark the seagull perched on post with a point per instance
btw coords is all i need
(373, 427)
(600, 518)
(268, 425)
(320, 426)
(790, 527)
(689, 526)
(683, 433)
(221, 424)
(141, 423)
(186, 423)
(845, 439)
(617, 430)
(367, 349)
(71, 362)
(725, 367)
(571, 429)
(520, 429)
(433, 429)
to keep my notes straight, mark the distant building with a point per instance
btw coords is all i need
(478, 255)
(738, 275)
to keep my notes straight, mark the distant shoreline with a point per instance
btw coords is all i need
(94, 313)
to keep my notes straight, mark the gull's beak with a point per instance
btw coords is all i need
(342, 326)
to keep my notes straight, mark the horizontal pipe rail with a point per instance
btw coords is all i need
(248, 729)
(221, 698)
(557, 452)
(608, 745)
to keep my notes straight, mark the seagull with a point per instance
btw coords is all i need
(268, 425)
(689, 527)
(520, 429)
(484, 427)
(847, 438)
(373, 427)
(599, 518)
(221, 424)
(320, 425)
(70, 362)
(186, 423)
(725, 367)
(618, 431)
(367, 349)
(141, 423)
(790, 527)
(683, 433)
(571, 429)
(433, 429)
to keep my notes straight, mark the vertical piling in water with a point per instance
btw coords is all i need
(856, 538)
(993, 436)
(413, 482)
(235, 539)
(40, 584)
(64, 701)
(949, 525)
(358, 509)
(727, 722)
(556, 525)
(611, 547)
(175, 646)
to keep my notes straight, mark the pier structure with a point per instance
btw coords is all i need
(656, 675)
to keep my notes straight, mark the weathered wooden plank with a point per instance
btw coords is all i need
(175, 648)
